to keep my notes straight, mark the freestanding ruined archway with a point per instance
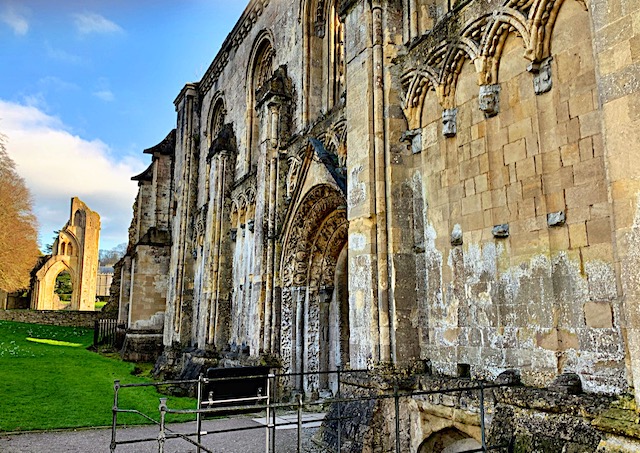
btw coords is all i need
(75, 251)
(315, 308)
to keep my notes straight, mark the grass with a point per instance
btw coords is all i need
(49, 380)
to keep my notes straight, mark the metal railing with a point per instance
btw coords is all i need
(105, 332)
(266, 401)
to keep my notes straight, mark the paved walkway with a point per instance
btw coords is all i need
(98, 440)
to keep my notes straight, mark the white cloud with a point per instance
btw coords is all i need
(105, 95)
(61, 55)
(14, 19)
(87, 23)
(57, 84)
(58, 165)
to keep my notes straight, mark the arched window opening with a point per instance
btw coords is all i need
(262, 70)
(70, 249)
(63, 250)
(335, 79)
(79, 219)
(218, 116)
(325, 59)
(63, 290)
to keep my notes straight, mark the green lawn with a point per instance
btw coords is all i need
(49, 380)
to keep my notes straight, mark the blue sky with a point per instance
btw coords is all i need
(86, 85)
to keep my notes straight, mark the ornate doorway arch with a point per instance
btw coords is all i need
(315, 307)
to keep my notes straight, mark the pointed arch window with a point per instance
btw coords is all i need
(325, 59)
(261, 72)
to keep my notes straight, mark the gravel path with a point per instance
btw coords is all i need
(98, 440)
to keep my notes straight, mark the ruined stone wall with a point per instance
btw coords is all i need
(516, 229)
(143, 281)
(245, 174)
(616, 30)
(483, 217)
(149, 287)
(84, 319)
(75, 251)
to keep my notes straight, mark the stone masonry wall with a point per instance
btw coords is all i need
(540, 295)
(53, 318)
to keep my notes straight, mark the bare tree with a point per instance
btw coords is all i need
(18, 227)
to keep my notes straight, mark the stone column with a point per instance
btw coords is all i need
(365, 192)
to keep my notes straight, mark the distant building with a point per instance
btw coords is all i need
(103, 283)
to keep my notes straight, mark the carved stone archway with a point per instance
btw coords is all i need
(315, 312)
(75, 250)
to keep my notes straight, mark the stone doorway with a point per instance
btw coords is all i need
(334, 326)
(315, 300)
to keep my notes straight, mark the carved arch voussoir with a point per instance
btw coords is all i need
(418, 83)
(314, 208)
(327, 244)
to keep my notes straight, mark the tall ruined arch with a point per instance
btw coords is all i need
(260, 70)
(314, 314)
(75, 251)
(324, 58)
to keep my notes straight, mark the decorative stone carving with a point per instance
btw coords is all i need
(456, 235)
(542, 81)
(489, 99)
(449, 127)
(556, 218)
(414, 138)
(295, 163)
(501, 231)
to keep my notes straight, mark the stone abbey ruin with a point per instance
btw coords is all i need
(447, 189)
(75, 251)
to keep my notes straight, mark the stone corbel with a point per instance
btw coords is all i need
(414, 139)
(449, 120)
(542, 80)
(489, 100)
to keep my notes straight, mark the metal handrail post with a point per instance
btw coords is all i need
(162, 436)
(273, 416)
(396, 397)
(266, 416)
(114, 423)
(482, 425)
(299, 423)
(199, 415)
(339, 367)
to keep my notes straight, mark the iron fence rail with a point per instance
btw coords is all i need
(270, 406)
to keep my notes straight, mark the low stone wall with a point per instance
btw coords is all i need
(53, 318)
